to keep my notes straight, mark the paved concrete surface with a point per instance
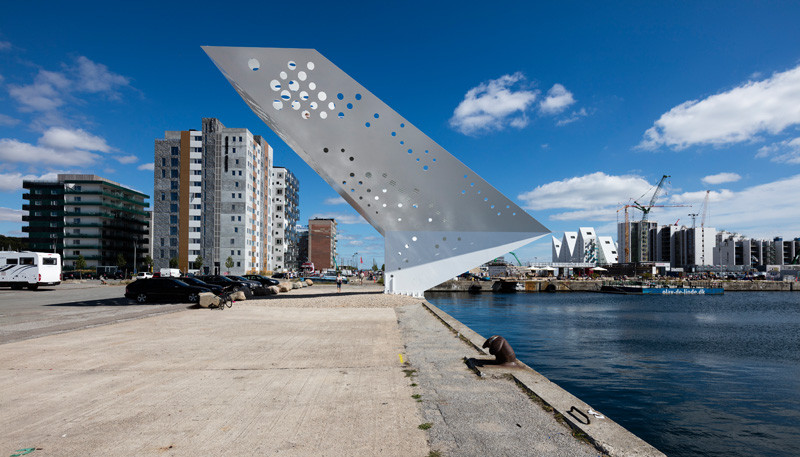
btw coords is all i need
(244, 381)
(474, 416)
(28, 314)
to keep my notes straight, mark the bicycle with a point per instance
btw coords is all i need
(226, 300)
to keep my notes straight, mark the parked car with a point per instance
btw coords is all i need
(163, 289)
(255, 286)
(144, 275)
(193, 281)
(279, 275)
(226, 282)
(265, 281)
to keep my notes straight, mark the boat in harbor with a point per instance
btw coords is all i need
(658, 289)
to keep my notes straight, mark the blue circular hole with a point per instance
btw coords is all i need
(341, 115)
(377, 115)
(340, 96)
(417, 159)
(402, 125)
(349, 106)
(358, 96)
(394, 133)
(367, 124)
(463, 191)
(434, 160)
(425, 167)
(426, 151)
(464, 175)
(410, 151)
(402, 142)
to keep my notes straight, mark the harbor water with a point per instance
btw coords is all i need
(691, 375)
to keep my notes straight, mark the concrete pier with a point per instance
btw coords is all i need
(309, 372)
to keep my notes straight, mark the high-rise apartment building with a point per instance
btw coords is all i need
(322, 243)
(87, 216)
(285, 213)
(212, 199)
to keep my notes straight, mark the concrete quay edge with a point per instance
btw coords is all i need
(608, 436)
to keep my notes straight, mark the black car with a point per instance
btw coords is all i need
(265, 281)
(192, 281)
(226, 282)
(163, 289)
(279, 275)
(256, 286)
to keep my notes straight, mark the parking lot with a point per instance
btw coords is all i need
(28, 314)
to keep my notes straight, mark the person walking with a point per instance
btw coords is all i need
(338, 282)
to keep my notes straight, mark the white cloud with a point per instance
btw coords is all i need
(50, 90)
(4, 45)
(492, 105)
(13, 181)
(576, 115)
(721, 178)
(558, 98)
(761, 211)
(126, 159)
(755, 107)
(594, 192)
(62, 138)
(12, 150)
(7, 120)
(146, 166)
(787, 151)
(335, 201)
(11, 215)
(341, 218)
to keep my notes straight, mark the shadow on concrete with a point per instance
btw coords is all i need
(122, 301)
(473, 362)
(286, 295)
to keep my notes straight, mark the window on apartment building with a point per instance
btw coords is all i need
(237, 161)
(233, 195)
(76, 241)
(279, 192)
(233, 218)
(238, 252)
(76, 231)
(236, 230)
(233, 173)
(173, 207)
(238, 264)
(240, 218)
(175, 174)
(173, 184)
(173, 241)
(236, 184)
(53, 213)
(173, 230)
(232, 241)
(279, 208)
(163, 196)
(240, 195)
(175, 150)
(163, 173)
(163, 161)
(173, 196)
(173, 253)
(77, 220)
(163, 242)
(240, 172)
(162, 253)
(240, 138)
(234, 150)
(76, 252)
(173, 219)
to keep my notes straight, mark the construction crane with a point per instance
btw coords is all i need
(515, 256)
(693, 216)
(643, 243)
(626, 235)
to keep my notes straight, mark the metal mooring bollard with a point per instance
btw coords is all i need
(499, 347)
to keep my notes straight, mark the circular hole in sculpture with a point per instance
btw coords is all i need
(486, 199)
(295, 104)
(463, 191)
(275, 85)
(323, 114)
(413, 238)
(358, 96)
(491, 206)
(283, 75)
(425, 167)
(286, 95)
(331, 106)
(417, 159)
(291, 65)
(277, 104)
(313, 105)
(377, 115)
(306, 114)
(301, 75)
(436, 246)
(399, 205)
(430, 220)
(303, 95)
(377, 198)
(394, 133)
(324, 149)
(399, 219)
(341, 115)
(352, 159)
(340, 96)
(383, 190)
(402, 125)
(293, 85)
(342, 149)
(402, 142)
(368, 174)
(253, 64)
(310, 65)
(349, 106)
(384, 205)
(312, 86)
(406, 246)
(322, 96)
(352, 175)
(367, 124)
(410, 151)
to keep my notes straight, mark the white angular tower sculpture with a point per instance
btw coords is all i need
(438, 217)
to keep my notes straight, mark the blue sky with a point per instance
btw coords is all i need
(568, 108)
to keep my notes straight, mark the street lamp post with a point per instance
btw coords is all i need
(353, 258)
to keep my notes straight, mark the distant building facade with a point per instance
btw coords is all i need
(584, 246)
(322, 243)
(734, 249)
(302, 243)
(285, 213)
(82, 215)
(212, 200)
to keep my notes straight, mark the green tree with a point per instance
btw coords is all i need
(173, 263)
(229, 263)
(80, 264)
(121, 261)
(149, 262)
(383, 267)
(198, 262)
(374, 265)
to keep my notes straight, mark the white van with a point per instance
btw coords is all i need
(170, 273)
(29, 269)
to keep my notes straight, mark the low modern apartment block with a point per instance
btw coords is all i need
(212, 198)
(87, 216)
(286, 211)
